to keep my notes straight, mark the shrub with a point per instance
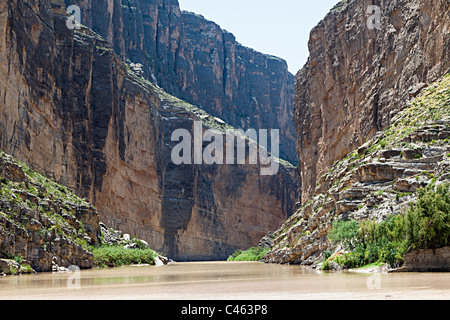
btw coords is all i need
(344, 233)
(428, 221)
(114, 256)
(326, 265)
(234, 255)
(252, 254)
(426, 225)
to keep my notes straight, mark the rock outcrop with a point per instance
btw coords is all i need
(195, 60)
(42, 224)
(72, 109)
(357, 78)
(376, 181)
(431, 260)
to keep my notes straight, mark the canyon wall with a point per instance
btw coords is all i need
(357, 78)
(195, 60)
(70, 108)
(380, 180)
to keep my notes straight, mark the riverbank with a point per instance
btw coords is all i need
(44, 226)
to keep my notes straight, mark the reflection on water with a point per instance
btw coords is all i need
(223, 280)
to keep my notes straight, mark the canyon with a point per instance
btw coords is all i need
(72, 109)
(95, 108)
(371, 109)
(377, 181)
(195, 60)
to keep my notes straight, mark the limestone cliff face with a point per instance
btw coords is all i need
(195, 60)
(357, 79)
(378, 180)
(70, 107)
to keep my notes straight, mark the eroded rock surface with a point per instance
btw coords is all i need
(42, 224)
(358, 78)
(431, 260)
(376, 181)
(195, 60)
(71, 108)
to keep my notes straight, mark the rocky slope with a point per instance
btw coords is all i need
(45, 227)
(358, 78)
(195, 60)
(377, 180)
(42, 224)
(71, 108)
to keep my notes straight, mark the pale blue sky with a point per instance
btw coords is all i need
(277, 27)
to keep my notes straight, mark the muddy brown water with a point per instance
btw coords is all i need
(223, 281)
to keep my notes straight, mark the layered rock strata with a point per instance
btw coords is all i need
(376, 181)
(72, 109)
(197, 61)
(359, 76)
(430, 260)
(42, 224)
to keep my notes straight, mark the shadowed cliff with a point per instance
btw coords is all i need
(195, 60)
(74, 110)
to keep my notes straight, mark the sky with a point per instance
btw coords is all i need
(277, 27)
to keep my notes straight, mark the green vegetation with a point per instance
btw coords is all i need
(252, 254)
(344, 232)
(39, 185)
(35, 194)
(431, 106)
(428, 221)
(33, 201)
(19, 267)
(115, 256)
(425, 225)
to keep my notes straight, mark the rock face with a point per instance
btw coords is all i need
(376, 181)
(437, 260)
(41, 222)
(72, 109)
(195, 60)
(357, 78)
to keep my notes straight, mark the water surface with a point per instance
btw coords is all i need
(224, 281)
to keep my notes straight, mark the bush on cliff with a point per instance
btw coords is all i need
(425, 225)
(428, 221)
(344, 233)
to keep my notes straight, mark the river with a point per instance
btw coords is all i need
(223, 281)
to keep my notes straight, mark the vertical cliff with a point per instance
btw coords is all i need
(195, 60)
(71, 108)
(357, 78)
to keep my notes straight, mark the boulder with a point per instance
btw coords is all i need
(9, 266)
(267, 241)
(430, 260)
